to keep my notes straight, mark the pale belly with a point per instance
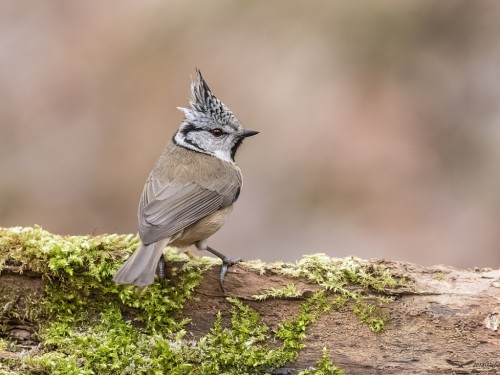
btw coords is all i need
(201, 230)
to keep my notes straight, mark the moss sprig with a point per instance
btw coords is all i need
(324, 366)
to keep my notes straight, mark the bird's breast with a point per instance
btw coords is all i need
(202, 229)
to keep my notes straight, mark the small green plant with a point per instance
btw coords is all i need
(323, 367)
(241, 349)
(294, 330)
(371, 315)
(288, 291)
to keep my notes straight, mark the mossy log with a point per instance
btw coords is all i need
(384, 317)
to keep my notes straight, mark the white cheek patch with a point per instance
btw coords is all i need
(179, 139)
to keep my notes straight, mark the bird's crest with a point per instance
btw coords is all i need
(204, 104)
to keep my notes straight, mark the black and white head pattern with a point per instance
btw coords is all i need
(209, 126)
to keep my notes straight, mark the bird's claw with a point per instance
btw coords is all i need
(226, 263)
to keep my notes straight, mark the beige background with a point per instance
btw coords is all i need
(379, 120)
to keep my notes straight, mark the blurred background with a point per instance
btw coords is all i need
(379, 121)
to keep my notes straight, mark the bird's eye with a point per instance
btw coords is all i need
(216, 132)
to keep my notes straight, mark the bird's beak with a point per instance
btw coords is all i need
(248, 133)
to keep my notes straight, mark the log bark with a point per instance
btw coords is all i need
(446, 323)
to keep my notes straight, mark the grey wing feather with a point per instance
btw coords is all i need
(165, 210)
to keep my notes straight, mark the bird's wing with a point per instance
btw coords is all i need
(168, 207)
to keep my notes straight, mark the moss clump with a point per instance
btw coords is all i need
(245, 348)
(323, 367)
(288, 291)
(90, 325)
(82, 306)
(350, 281)
(77, 269)
(112, 346)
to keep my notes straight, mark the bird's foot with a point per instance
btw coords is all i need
(226, 263)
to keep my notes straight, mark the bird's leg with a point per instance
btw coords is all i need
(226, 262)
(161, 269)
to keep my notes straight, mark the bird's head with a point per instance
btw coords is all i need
(209, 126)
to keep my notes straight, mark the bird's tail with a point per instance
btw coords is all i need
(140, 268)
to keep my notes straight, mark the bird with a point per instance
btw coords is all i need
(191, 189)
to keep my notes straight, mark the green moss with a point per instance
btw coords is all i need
(288, 291)
(84, 331)
(114, 346)
(294, 330)
(111, 346)
(79, 268)
(349, 282)
(248, 346)
(82, 304)
(241, 349)
(323, 367)
(370, 314)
